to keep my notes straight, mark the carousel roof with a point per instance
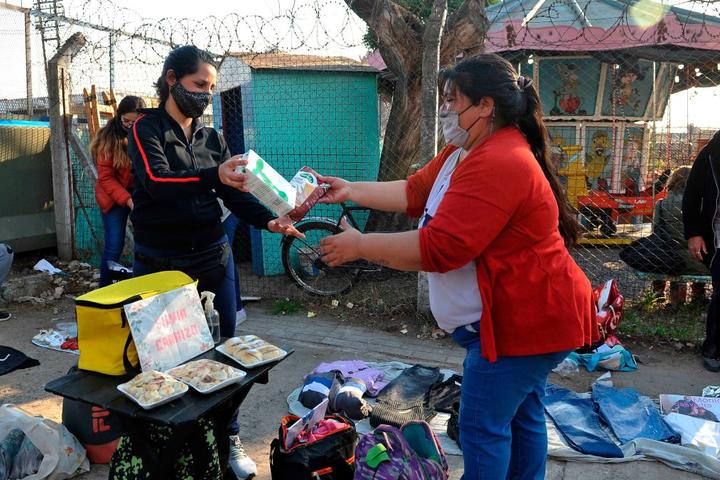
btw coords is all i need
(648, 28)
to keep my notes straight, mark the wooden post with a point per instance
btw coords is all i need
(432, 36)
(59, 112)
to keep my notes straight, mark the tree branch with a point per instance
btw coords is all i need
(398, 32)
(464, 32)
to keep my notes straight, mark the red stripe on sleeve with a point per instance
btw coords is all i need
(147, 165)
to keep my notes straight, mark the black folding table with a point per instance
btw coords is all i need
(180, 414)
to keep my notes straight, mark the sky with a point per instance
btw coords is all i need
(342, 36)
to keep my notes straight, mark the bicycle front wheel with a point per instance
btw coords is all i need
(303, 262)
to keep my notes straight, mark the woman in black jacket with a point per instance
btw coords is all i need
(701, 220)
(181, 167)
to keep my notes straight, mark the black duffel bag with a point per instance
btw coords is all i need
(329, 458)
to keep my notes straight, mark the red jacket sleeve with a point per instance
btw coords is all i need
(107, 178)
(486, 190)
(420, 183)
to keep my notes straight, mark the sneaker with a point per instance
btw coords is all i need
(240, 316)
(242, 465)
(712, 364)
(5, 315)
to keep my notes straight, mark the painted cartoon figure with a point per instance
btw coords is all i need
(597, 161)
(625, 94)
(571, 171)
(567, 98)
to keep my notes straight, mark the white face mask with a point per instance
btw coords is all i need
(453, 133)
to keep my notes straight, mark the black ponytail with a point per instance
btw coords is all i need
(516, 103)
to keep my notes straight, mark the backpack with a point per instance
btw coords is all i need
(412, 452)
(331, 457)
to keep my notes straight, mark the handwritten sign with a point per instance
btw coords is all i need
(169, 328)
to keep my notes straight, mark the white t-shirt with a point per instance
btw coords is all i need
(454, 296)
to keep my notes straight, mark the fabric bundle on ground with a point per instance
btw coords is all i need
(318, 386)
(349, 399)
(374, 379)
(11, 359)
(579, 424)
(406, 397)
(631, 415)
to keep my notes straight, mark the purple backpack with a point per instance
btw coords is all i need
(409, 453)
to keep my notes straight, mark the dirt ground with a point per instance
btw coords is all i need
(663, 368)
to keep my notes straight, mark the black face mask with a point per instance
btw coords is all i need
(190, 104)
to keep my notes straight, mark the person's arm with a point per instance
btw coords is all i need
(475, 209)
(406, 196)
(400, 251)
(153, 173)
(383, 196)
(109, 182)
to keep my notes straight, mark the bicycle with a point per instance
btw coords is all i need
(303, 263)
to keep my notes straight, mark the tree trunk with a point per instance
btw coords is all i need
(429, 108)
(401, 41)
(430, 68)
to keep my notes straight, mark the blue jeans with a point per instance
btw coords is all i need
(230, 224)
(502, 419)
(114, 223)
(224, 294)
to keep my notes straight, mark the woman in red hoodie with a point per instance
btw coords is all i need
(109, 149)
(494, 233)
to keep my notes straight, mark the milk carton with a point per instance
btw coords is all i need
(294, 198)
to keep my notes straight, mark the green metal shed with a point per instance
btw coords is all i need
(297, 110)
(27, 220)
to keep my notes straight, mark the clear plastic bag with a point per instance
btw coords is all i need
(62, 455)
(567, 368)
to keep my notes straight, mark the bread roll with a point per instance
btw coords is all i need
(249, 356)
(270, 352)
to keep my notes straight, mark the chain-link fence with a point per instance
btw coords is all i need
(628, 92)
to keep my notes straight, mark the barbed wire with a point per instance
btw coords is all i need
(306, 25)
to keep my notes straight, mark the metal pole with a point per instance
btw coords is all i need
(28, 63)
(112, 60)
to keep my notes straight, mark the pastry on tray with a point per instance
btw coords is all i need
(205, 374)
(153, 387)
(251, 350)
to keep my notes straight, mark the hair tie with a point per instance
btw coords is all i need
(524, 82)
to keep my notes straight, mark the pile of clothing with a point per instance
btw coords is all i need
(390, 393)
(600, 422)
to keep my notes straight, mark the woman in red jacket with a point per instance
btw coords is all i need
(494, 233)
(109, 149)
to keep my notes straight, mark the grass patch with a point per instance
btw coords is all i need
(286, 306)
(650, 316)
